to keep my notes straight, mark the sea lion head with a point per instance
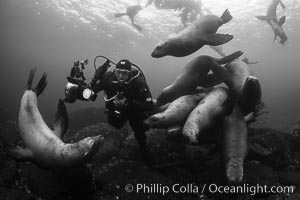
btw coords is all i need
(153, 120)
(252, 92)
(91, 145)
(161, 49)
(167, 47)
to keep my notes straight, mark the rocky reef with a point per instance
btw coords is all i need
(273, 160)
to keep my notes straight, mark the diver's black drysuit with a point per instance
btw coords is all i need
(138, 100)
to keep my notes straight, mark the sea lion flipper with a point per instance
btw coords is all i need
(282, 5)
(281, 20)
(19, 153)
(226, 17)
(263, 18)
(139, 28)
(230, 58)
(41, 85)
(60, 124)
(30, 78)
(217, 39)
(119, 14)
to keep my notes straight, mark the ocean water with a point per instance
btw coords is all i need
(52, 34)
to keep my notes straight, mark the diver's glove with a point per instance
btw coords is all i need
(101, 70)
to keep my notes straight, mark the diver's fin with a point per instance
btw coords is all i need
(60, 124)
(217, 39)
(139, 28)
(263, 18)
(229, 58)
(281, 20)
(226, 17)
(41, 85)
(119, 14)
(19, 153)
(30, 78)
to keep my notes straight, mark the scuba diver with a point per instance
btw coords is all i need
(76, 72)
(131, 11)
(127, 97)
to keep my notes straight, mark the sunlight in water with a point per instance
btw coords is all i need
(161, 23)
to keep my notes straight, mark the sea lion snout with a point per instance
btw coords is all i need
(252, 93)
(150, 120)
(158, 51)
(93, 144)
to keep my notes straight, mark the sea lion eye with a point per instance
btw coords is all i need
(159, 47)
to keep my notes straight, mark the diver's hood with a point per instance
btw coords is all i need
(134, 73)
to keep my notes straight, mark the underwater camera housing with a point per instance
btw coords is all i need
(83, 63)
(78, 90)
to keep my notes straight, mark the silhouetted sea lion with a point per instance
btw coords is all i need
(195, 74)
(131, 11)
(276, 25)
(244, 85)
(44, 146)
(199, 33)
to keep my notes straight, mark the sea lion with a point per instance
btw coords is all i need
(44, 146)
(245, 86)
(234, 132)
(199, 33)
(216, 104)
(195, 74)
(176, 113)
(276, 25)
(131, 11)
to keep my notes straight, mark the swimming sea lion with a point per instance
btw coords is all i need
(276, 25)
(199, 33)
(176, 113)
(216, 104)
(44, 146)
(132, 11)
(195, 74)
(245, 86)
(234, 131)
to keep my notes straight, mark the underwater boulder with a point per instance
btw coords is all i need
(279, 148)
